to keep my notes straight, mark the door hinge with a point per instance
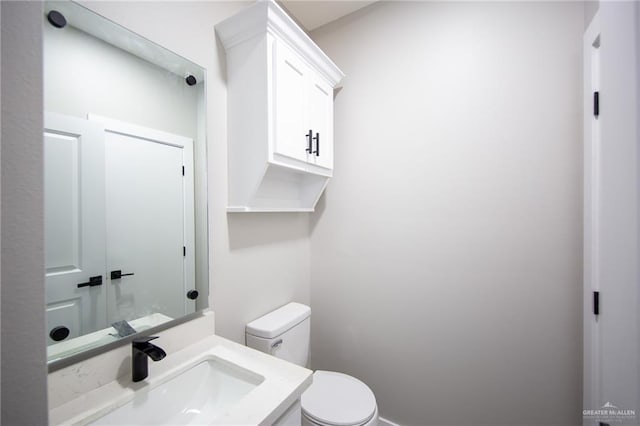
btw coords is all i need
(596, 303)
(182, 170)
(184, 251)
(596, 104)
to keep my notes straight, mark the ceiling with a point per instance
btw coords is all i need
(312, 14)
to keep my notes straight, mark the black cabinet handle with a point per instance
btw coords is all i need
(317, 139)
(192, 294)
(93, 281)
(116, 275)
(309, 137)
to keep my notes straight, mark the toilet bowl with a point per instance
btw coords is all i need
(336, 399)
(333, 399)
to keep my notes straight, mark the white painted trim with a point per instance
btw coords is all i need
(281, 24)
(385, 422)
(124, 128)
(267, 16)
(242, 209)
(324, 186)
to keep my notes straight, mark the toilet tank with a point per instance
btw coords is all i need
(283, 333)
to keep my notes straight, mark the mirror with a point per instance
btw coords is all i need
(125, 183)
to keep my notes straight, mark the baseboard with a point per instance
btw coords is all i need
(384, 422)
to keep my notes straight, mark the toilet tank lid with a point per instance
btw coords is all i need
(277, 322)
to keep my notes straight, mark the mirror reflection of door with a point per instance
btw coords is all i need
(149, 221)
(74, 226)
(117, 201)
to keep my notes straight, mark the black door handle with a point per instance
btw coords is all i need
(317, 139)
(116, 275)
(309, 142)
(93, 281)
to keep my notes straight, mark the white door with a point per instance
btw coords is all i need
(321, 121)
(74, 226)
(292, 133)
(592, 178)
(150, 224)
(612, 236)
(619, 198)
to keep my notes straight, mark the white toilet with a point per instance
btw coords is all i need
(334, 399)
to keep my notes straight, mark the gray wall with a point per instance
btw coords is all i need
(590, 10)
(24, 374)
(0, 216)
(446, 255)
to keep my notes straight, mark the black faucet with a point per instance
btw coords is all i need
(140, 350)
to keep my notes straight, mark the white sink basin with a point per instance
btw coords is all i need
(198, 395)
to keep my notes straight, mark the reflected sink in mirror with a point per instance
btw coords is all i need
(198, 395)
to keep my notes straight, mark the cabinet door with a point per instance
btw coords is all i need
(290, 103)
(321, 121)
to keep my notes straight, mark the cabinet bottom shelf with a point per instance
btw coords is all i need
(240, 209)
(277, 189)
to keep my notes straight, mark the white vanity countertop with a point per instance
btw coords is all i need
(283, 384)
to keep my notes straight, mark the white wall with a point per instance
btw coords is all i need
(446, 255)
(24, 378)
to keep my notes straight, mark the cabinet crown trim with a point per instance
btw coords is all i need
(266, 16)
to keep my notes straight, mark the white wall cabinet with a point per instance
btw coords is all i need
(304, 111)
(280, 112)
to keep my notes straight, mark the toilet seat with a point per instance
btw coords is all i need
(337, 399)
